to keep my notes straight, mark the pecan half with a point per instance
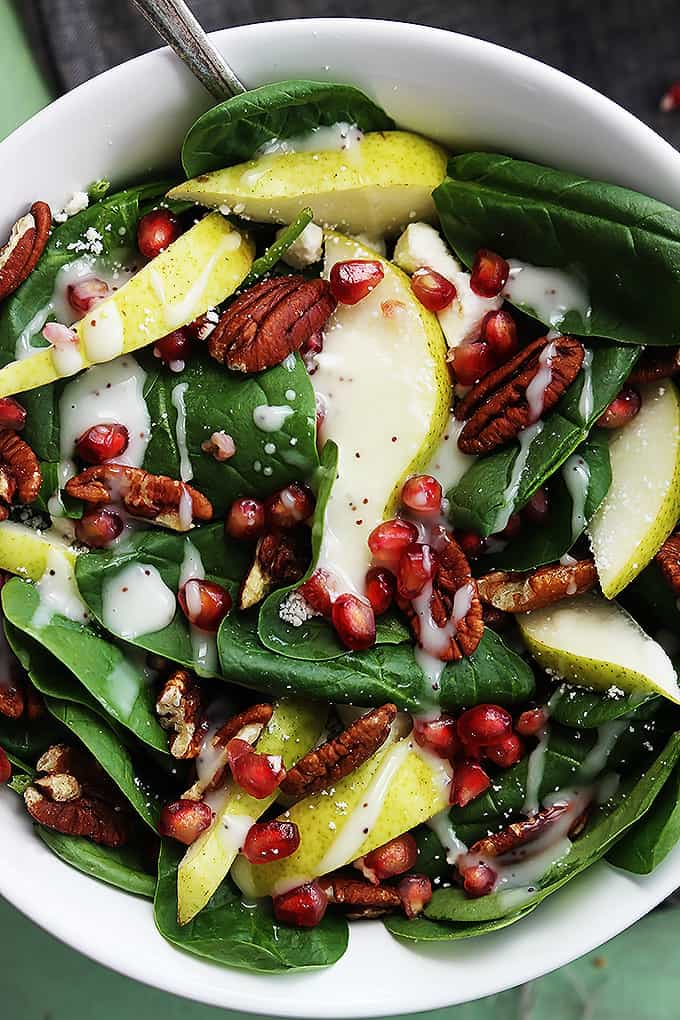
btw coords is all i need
(668, 558)
(519, 833)
(269, 321)
(326, 765)
(655, 363)
(247, 725)
(521, 593)
(180, 709)
(20, 474)
(156, 498)
(362, 900)
(281, 557)
(254, 715)
(497, 409)
(76, 797)
(27, 241)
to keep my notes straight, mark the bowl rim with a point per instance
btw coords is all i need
(66, 927)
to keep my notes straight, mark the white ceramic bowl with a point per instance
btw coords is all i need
(468, 94)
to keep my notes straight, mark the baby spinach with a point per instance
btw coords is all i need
(581, 707)
(651, 601)
(422, 929)
(234, 934)
(275, 252)
(623, 245)
(26, 741)
(114, 678)
(123, 867)
(233, 131)
(21, 780)
(646, 845)
(479, 500)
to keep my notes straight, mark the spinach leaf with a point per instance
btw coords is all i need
(479, 502)
(266, 262)
(115, 678)
(122, 867)
(583, 708)
(224, 563)
(20, 780)
(653, 838)
(234, 935)
(631, 802)
(624, 245)
(26, 741)
(549, 541)
(233, 131)
(422, 929)
(654, 606)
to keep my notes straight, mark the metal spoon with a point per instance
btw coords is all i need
(175, 23)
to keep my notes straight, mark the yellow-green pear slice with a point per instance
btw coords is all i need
(198, 271)
(593, 642)
(293, 730)
(643, 503)
(398, 788)
(378, 186)
(26, 552)
(384, 382)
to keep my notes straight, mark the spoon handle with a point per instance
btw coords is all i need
(175, 23)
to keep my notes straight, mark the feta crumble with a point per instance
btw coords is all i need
(78, 202)
(295, 610)
(305, 249)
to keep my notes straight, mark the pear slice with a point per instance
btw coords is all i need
(294, 728)
(25, 552)
(643, 503)
(590, 641)
(198, 271)
(384, 382)
(374, 188)
(395, 790)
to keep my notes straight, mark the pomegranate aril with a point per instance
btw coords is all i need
(102, 443)
(12, 414)
(204, 603)
(271, 841)
(670, 100)
(173, 349)
(438, 735)
(537, 509)
(316, 591)
(185, 820)
(416, 567)
(303, 907)
(309, 351)
(472, 361)
(511, 529)
(499, 330)
(622, 409)
(354, 622)
(258, 774)
(83, 296)
(422, 494)
(415, 892)
(432, 289)
(469, 782)
(353, 280)
(5, 767)
(471, 544)
(506, 752)
(489, 274)
(290, 506)
(380, 586)
(98, 528)
(389, 540)
(393, 858)
(246, 519)
(484, 724)
(156, 231)
(479, 880)
(531, 722)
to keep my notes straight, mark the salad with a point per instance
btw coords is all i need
(339, 480)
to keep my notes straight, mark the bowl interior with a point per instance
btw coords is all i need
(129, 123)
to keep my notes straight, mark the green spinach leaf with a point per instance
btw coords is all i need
(654, 606)
(652, 839)
(25, 741)
(422, 929)
(122, 867)
(582, 708)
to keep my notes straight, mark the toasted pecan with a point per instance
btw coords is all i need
(496, 409)
(519, 833)
(362, 900)
(668, 559)
(12, 695)
(258, 715)
(27, 241)
(326, 765)
(655, 363)
(271, 320)
(156, 498)
(281, 557)
(20, 474)
(521, 593)
(180, 708)
(247, 725)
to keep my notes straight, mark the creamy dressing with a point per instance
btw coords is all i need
(233, 831)
(58, 592)
(586, 400)
(186, 471)
(538, 387)
(339, 137)
(576, 475)
(442, 826)
(505, 511)
(203, 643)
(137, 601)
(596, 759)
(122, 686)
(549, 293)
(448, 463)
(270, 417)
(102, 333)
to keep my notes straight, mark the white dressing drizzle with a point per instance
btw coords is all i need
(448, 463)
(537, 388)
(442, 826)
(549, 293)
(58, 592)
(586, 400)
(186, 471)
(505, 511)
(233, 831)
(102, 333)
(339, 137)
(536, 760)
(137, 601)
(576, 475)
(270, 417)
(203, 643)
(596, 759)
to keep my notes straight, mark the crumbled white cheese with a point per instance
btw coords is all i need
(295, 610)
(376, 244)
(76, 203)
(305, 249)
(91, 242)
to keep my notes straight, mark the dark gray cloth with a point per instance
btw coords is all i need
(628, 49)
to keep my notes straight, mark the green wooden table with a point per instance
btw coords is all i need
(635, 977)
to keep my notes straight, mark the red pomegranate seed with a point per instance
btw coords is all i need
(204, 603)
(353, 280)
(471, 544)
(98, 528)
(5, 767)
(671, 99)
(12, 414)
(479, 880)
(422, 494)
(537, 509)
(316, 591)
(156, 231)
(290, 506)
(101, 443)
(469, 782)
(472, 361)
(354, 622)
(499, 330)
(389, 540)
(393, 858)
(432, 289)
(185, 820)
(416, 567)
(174, 349)
(257, 774)
(415, 892)
(511, 529)
(245, 520)
(83, 296)
(531, 722)
(271, 841)
(484, 725)
(303, 907)
(622, 409)
(489, 274)
(438, 735)
(506, 752)
(380, 585)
